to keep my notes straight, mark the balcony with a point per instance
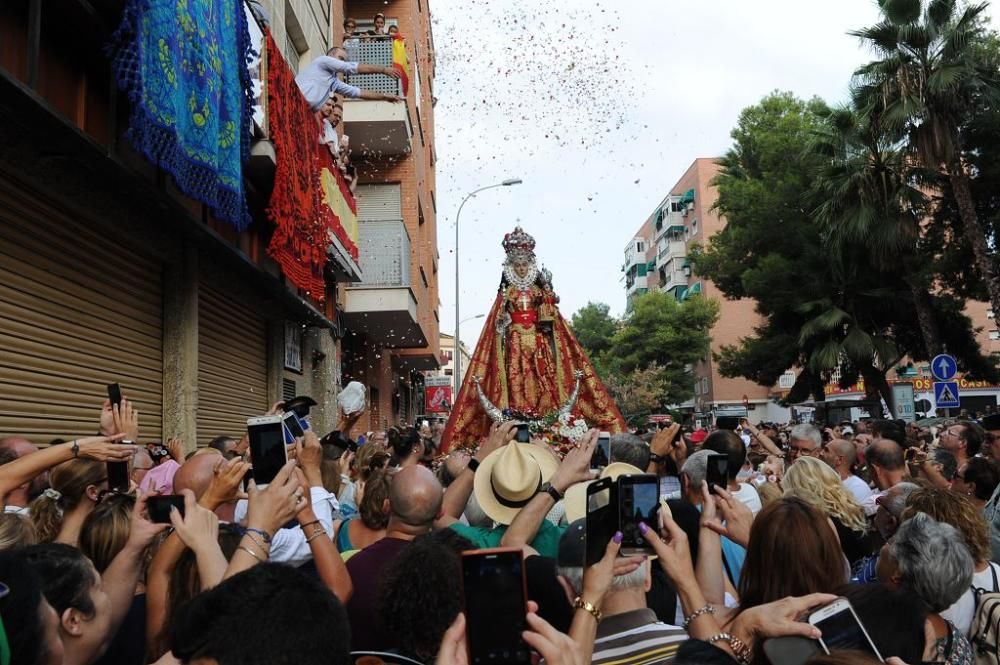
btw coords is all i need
(673, 249)
(382, 305)
(376, 128)
(673, 224)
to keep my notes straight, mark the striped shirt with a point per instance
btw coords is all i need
(636, 638)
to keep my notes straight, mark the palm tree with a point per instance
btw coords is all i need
(928, 75)
(868, 202)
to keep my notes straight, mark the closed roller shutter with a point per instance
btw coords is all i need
(76, 312)
(377, 202)
(232, 366)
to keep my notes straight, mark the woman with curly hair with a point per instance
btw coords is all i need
(815, 482)
(962, 513)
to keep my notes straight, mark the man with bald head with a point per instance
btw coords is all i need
(840, 454)
(17, 501)
(415, 497)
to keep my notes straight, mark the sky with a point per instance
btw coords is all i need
(600, 107)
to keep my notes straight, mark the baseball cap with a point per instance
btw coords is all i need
(698, 435)
(991, 422)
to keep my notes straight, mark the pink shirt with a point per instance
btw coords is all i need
(160, 478)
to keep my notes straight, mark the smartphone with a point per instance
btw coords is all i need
(638, 500)
(159, 507)
(114, 394)
(727, 422)
(842, 629)
(717, 471)
(267, 448)
(495, 597)
(118, 473)
(602, 518)
(791, 650)
(523, 435)
(602, 453)
(247, 477)
(293, 425)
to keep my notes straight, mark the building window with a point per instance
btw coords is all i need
(448, 356)
(704, 385)
(694, 226)
(448, 372)
(295, 40)
(697, 387)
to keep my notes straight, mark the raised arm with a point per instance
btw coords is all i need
(100, 448)
(456, 497)
(662, 446)
(574, 468)
(329, 564)
(764, 439)
(709, 570)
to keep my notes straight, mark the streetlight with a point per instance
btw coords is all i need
(458, 321)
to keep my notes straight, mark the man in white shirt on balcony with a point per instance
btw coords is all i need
(320, 79)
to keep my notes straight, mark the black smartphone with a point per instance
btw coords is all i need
(247, 477)
(602, 518)
(717, 471)
(267, 448)
(114, 394)
(493, 588)
(638, 501)
(727, 422)
(118, 474)
(602, 453)
(293, 424)
(523, 435)
(159, 507)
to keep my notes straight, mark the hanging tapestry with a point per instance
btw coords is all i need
(300, 206)
(183, 64)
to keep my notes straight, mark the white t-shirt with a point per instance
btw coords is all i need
(963, 611)
(858, 488)
(748, 495)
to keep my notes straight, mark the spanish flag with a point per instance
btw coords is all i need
(400, 63)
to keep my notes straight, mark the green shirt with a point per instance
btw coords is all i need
(546, 541)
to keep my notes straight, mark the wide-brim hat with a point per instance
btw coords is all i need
(575, 499)
(300, 404)
(509, 477)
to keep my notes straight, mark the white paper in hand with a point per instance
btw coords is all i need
(352, 398)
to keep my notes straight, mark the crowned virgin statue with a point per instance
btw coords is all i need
(527, 365)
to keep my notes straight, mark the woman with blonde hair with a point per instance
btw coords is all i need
(814, 481)
(74, 488)
(15, 531)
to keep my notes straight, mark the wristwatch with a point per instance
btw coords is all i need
(553, 492)
(473, 464)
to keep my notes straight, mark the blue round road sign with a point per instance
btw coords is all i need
(944, 367)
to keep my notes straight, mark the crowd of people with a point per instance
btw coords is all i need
(355, 548)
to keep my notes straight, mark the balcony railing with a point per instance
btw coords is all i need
(384, 249)
(373, 51)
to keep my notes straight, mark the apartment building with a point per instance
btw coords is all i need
(109, 272)
(684, 217)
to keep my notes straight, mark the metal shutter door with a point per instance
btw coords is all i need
(232, 366)
(379, 202)
(76, 312)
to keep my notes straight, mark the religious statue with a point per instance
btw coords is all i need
(527, 365)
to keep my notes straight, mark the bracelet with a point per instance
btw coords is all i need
(303, 526)
(262, 545)
(316, 534)
(76, 449)
(473, 464)
(263, 534)
(707, 609)
(250, 552)
(739, 647)
(581, 604)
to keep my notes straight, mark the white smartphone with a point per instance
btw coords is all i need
(267, 448)
(842, 629)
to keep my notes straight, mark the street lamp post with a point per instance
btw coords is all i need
(458, 320)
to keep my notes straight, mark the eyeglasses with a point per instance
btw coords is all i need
(794, 451)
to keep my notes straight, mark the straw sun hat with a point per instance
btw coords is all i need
(575, 499)
(510, 476)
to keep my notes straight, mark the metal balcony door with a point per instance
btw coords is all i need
(76, 312)
(379, 202)
(232, 365)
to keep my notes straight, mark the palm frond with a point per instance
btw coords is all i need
(939, 13)
(901, 11)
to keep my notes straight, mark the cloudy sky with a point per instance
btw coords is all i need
(600, 108)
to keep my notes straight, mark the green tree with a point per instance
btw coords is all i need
(594, 328)
(670, 335)
(640, 392)
(928, 76)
